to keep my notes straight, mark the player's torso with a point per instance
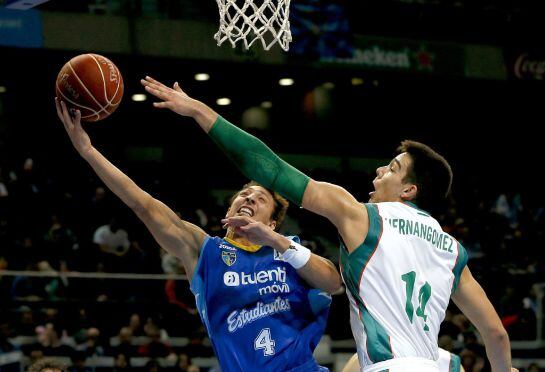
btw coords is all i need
(399, 283)
(257, 309)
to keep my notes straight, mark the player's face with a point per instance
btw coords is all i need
(388, 183)
(254, 202)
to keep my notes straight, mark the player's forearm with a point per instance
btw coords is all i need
(318, 272)
(321, 273)
(258, 162)
(121, 185)
(204, 116)
(498, 349)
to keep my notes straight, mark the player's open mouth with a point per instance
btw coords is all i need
(246, 211)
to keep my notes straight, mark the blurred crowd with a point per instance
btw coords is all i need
(58, 223)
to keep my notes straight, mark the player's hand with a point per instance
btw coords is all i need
(173, 98)
(256, 232)
(72, 123)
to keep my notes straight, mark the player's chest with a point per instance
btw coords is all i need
(244, 277)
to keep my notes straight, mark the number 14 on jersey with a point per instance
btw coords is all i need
(423, 296)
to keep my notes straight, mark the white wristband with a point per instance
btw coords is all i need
(296, 255)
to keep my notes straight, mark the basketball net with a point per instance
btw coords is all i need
(248, 21)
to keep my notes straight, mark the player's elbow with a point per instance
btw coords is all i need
(143, 207)
(501, 335)
(335, 284)
(498, 335)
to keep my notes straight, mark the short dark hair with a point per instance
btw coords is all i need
(430, 172)
(47, 363)
(281, 204)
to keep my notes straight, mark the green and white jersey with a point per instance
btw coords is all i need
(399, 283)
(448, 362)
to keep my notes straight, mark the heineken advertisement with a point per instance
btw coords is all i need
(405, 56)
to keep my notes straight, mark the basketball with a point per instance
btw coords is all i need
(92, 84)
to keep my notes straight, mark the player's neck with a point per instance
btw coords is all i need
(238, 238)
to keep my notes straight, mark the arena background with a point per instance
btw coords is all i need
(464, 76)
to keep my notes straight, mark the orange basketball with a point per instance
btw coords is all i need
(92, 84)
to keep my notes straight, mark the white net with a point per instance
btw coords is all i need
(248, 21)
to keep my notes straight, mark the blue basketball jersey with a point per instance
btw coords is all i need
(259, 314)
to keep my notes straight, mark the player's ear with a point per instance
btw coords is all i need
(409, 191)
(272, 224)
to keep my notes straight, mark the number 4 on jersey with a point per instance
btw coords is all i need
(264, 341)
(423, 296)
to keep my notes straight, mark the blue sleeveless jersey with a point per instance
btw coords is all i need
(259, 314)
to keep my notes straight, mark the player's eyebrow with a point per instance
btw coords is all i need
(263, 194)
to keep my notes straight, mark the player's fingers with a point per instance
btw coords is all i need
(66, 115)
(158, 87)
(177, 88)
(241, 232)
(77, 119)
(158, 93)
(231, 223)
(155, 82)
(240, 220)
(161, 104)
(59, 109)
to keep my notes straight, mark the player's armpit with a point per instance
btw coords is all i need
(178, 237)
(472, 300)
(341, 208)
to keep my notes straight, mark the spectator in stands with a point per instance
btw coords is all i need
(113, 242)
(121, 363)
(5, 345)
(152, 366)
(25, 325)
(78, 362)
(125, 346)
(155, 348)
(152, 326)
(135, 324)
(533, 368)
(47, 365)
(182, 363)
(446, 342)
(91, 347)
(196, 347)
(471, 362)
(35, 352)
(61, 244)
(51, 339)
(27, 288)
(193, 368)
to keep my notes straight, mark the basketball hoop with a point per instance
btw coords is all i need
(247, 21)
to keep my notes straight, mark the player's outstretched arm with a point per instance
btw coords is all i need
(317, 271)
(258, 162)
(176, 236)
(472, 300)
